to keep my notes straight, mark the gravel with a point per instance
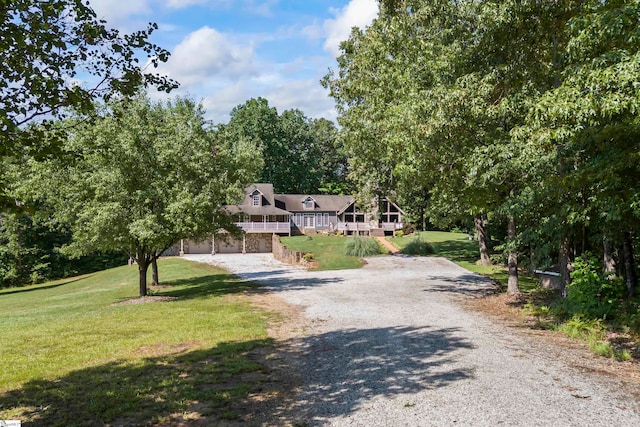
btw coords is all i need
(390, 345)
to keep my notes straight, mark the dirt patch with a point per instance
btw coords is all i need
(144, 300)
(273, 386)
(285, 320)
(166, 349)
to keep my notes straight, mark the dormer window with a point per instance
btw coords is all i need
(309, 203)
(256, 199)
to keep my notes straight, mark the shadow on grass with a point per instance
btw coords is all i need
(41, 288)
(153, 390)
(340, 372)
(204, 286)
(457, 250)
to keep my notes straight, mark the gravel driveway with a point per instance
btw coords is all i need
(390, 345)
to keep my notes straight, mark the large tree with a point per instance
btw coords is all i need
(139, 178)
(47, 50)
(300, 154)
(520, 109)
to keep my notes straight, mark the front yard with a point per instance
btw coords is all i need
(87, 350)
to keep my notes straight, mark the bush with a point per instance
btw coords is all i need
(308, 257)
(408, 228)
(593, 331)
(361, 247)
(417, 246)
(590, 292)
(399, 233)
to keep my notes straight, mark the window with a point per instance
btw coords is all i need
(326, 220)
(256, 199)
(309, 221)
(309, 204)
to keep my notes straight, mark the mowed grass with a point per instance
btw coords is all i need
(75, 353)
(328, 251)
(458, 248)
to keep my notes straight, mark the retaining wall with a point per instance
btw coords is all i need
(282, 254)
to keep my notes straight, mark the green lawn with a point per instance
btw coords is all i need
(328, 251)
(458, 248)
(72, 353)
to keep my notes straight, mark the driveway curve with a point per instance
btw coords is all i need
(390, 345)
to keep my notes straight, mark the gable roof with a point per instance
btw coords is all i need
(268, 206)
(324, 203)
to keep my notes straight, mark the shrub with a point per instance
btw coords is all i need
(585, 329)
(399, 233)
(591, 292)
(594, 333)
(308, 257)
(408, 228)
(361, 247)
(417, 246)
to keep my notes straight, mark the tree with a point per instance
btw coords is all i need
(45, 47)
(29, 252)
(433, 93)
(334, 166)
(300, 155)
(139, 178)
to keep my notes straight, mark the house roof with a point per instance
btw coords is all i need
(256, 210)
(324, 203)
(285, 204)
(267, 207)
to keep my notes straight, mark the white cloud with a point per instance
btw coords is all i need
(306, 95)
(358, 13)
(208, 54)
(182, 4)
(219, 104)
(261, 8)
(117, 11)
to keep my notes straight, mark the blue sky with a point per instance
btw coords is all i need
(227, 51)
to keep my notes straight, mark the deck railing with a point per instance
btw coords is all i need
(391, 226)
(265, 227)
(354, 226)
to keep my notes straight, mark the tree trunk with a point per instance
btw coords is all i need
(481, 232)
(564, 259)
(143, 266)
(631, 279)
(609, 263)
(512, 284)
(154, 269)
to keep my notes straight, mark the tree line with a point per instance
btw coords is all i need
(91, 174)
(137, 175)
(520, 113)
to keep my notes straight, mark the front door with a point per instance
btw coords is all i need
(309, 221)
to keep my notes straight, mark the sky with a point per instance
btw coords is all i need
(224, 52)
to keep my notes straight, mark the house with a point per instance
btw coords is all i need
(263, 213)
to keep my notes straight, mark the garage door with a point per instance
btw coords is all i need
(230, 247)
(203, 247)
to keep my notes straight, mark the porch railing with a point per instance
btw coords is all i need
(354, 226)
(265, 227)
(391, 226)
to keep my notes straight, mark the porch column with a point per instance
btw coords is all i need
(213, 244)
(244, 243)
(181, 247)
